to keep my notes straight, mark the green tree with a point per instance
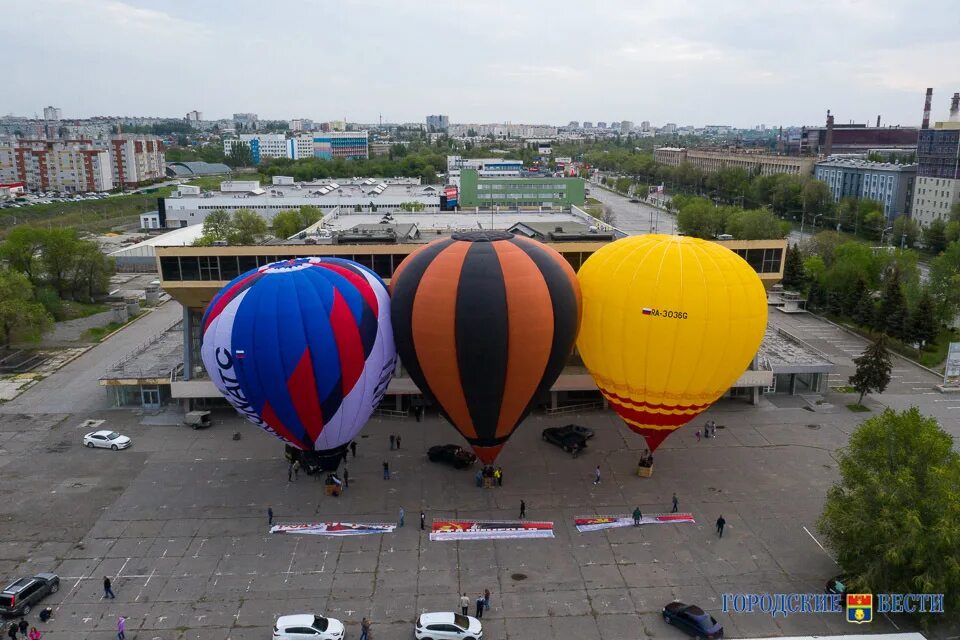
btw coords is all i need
(58, 256)
(935, 236)
(906, 232)
(816, 197)
(922, 327)
(892, 311)
(246, 227)
(793, 273)
(91, 271)
(701, 218)
(873, 369)
(217, 225)
(21, 250)
(873, 223)
(287, 223)
(412, 206)
(945, 283)
(893, 519)
(861, 305)
(622, 185)
(21, 317)
(756, 224)
(240, 155)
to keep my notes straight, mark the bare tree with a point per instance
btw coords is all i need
(608, 215)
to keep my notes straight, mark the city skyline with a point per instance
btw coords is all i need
(497, 62)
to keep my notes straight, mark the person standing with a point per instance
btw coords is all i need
(423, 520)
(24, 627)
(596, 475)
(486, 599)
(386, 471)
(12, 631)
(523, 509)
(290, 473)
(398, 441)
(34, 634)
(353, 448)
(676, 503)
(698, 435)
(270, 516)
(364, 629)
(636, 517)
(296, 469)
(720, 524)
(400, 522)
(107, 588)
(479, 613)
(391, 441)
(121, 628)
(465, 604)
(498, 476)
(346, 477)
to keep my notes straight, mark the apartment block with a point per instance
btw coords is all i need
(67, 166)
(135, 159)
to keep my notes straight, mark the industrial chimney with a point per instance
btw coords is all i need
(878, 121)
(828, 142)
(926, 109)
(955, 108)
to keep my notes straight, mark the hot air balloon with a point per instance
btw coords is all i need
(484, 323)
(302, 348)
(669, 324)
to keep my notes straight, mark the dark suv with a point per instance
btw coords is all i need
(19, 597)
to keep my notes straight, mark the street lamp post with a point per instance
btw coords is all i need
(883, 233)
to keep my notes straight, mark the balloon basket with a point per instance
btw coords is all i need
(645, 472)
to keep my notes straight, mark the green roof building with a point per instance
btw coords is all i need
(519, 192)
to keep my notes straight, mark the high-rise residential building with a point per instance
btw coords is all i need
(601, 125)
(193, 116)
(301, 124)
(626, 126)
(645, 125)
(246, 121)
(135, 159)
(937, 187)
(891, 185)
(52, 113)
(350, 145)
(574, 124)
(587, 124)
(438, 122)
(65, 166)
(262, 145)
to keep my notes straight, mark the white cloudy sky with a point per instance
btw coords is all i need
(740, 62)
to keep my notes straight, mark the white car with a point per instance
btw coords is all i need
(106, 440)
(444, 625)
(303, 626)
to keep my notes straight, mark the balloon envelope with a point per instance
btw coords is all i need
(484, 323)
(303, 348)
(669, 324)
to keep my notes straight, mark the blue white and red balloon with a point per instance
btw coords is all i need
(302, 348)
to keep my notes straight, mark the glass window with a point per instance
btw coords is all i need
(209, 268)
(246, 263)
(229, 268)
(170, 268)
(189, 268)
(383, 265)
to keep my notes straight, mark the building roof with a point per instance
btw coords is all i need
(186, 169)
(561, 231)
(181, 237)
(856, 163)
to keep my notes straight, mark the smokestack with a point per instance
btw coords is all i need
(828, 143)
(926, 109)
(878, 121)
(955, 108)
(780, 140)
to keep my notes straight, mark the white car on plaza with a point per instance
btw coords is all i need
(307, 626)
(106, 440)
(445, 625)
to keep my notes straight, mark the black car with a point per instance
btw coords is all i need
(634, 200)
(576, 428)
(452, 454)
(20, 596)
(837, 584)
(567, 439)
(693, 620)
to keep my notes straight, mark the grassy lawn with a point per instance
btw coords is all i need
(86, 215)
(594, 207)
(858, 408)
(73, 310)
(932, 356)
(97, 334)
(212, 183)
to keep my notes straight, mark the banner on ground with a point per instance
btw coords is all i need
(596, 523)
(489, 529)
(333, 528)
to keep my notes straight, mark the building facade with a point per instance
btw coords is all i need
(670, 156)
(52, 113)
(892, 185)
(938, 172)
(854, 138)
(519, 192)
(754, 163)
(349, 145)
(438, 122)
(262, 145)
(136, 159)
(65, 166)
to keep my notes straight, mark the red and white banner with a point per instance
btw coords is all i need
(489, 529)
(333, 529)
(596, 523)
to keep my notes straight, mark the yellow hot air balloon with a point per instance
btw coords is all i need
(669, 324)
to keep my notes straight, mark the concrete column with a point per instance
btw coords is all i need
(187, 359)
(755, 396)
(793, 384)
(553, 399)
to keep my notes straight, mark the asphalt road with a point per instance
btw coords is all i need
(634, 218)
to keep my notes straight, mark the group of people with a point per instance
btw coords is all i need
(482, 603)
(646, 459)
(490, 476)
(709, 430)
(23, 630)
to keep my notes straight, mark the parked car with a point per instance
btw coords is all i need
(452, 454)
(693, 620)
(20, 596)
(307, 625)
(567, 439)
(106, 440)
(635, 200)
(446, 625)
(576, 428)
(197, 419)
(837, 584)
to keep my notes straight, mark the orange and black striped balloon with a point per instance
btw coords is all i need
(484, 322)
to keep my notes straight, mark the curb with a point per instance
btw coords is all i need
(147, 311)
(898, 355)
